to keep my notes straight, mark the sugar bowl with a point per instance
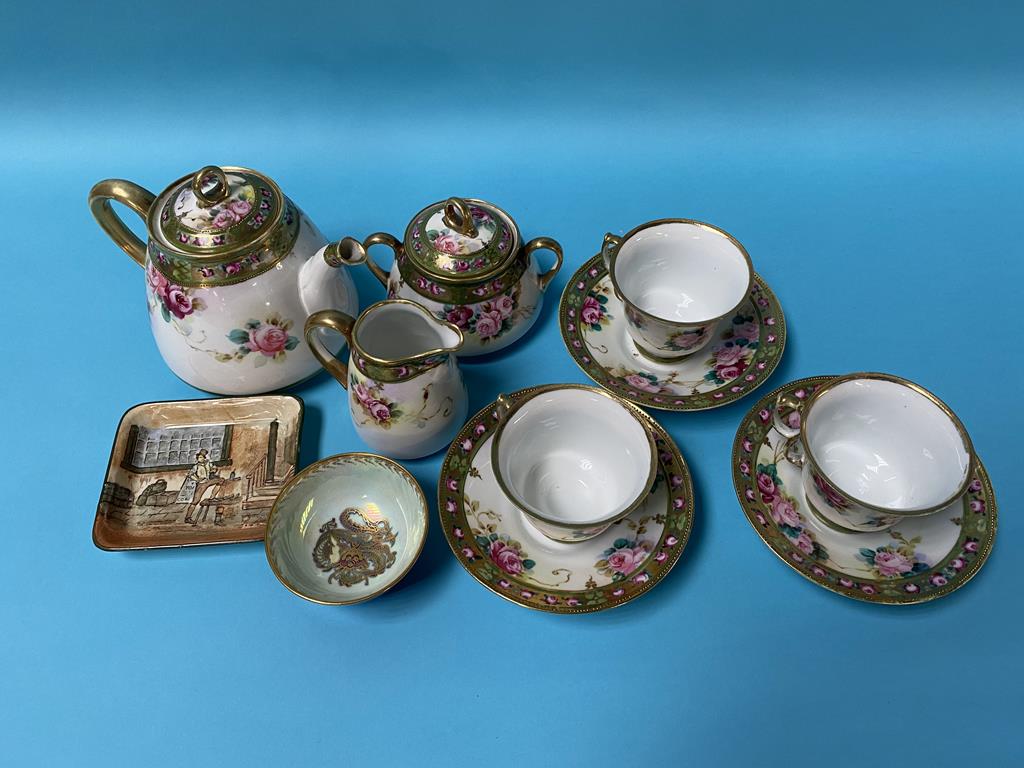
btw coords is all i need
(464, 261)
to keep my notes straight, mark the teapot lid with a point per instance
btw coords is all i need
(217, 211)
(461, 240)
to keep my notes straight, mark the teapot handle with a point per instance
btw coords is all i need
(548, 244)
(135, 197)
(336, 321)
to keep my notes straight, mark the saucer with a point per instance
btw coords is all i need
(493, 540)
(346, 528)
(919, 559)
(747, 349)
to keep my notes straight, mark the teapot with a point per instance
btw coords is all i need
(405, 391)
(462, 260)
(233, 269)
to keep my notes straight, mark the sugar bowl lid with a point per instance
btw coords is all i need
(217, 211)
(461, 240)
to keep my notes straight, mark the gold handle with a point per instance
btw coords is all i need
(502, 406)
(380, 238)
(609, 243)
(336, 321)
(220, 188)
(135, 197)
(458, 216)
(545, 243)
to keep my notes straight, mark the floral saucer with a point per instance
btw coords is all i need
(918, 560)
(495, 543)
(748, 348)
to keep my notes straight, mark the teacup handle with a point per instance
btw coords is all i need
(545, 244)
(786, 406)
(610, 243)
(502, 407)
(135, 197)
(336, 321)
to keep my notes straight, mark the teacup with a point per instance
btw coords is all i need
(875, 449)
(677, 278)
(574, 459)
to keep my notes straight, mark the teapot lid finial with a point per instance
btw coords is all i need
(218, 210)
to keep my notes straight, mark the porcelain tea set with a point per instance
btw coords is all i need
(565, 498)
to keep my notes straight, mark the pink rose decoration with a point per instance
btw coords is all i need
(831, 495)
(971, 546)
(784, 513)
(975, 486)
(627, 559)
(729, 355)
(891, 564)
(459, 316)
(362, 393)
(446, 244)
(938, 580)
(268, 340)
(449, 506)
(804, 543)
(728, 372)
(591, 311)
(488, 324)
(156, 281)
(379, 411)
(639, 382)
(792, 419)
(506, 558)
(688, 340)
(224, 219)
(178, 304)
(467, 552)
(749, 331)
(240, 207)
(504, 305)
(765, 484)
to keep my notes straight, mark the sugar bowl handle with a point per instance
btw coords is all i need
(135, 197)
(336, 321)
(545, 244)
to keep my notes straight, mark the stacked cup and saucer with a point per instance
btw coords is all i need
(867, 484)
(673, 316)
(565, 498)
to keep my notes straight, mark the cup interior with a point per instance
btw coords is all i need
(375, 487)
(395, 331)
(574, 456)
(682, 272)
(887, 444)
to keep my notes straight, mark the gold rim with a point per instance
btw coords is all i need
(402, 471)
(450, 279)
(701, 224)
(528, 509)
(412, 358)
(156, 234)
(968, 445)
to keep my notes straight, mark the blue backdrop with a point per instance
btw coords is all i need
(870, 160)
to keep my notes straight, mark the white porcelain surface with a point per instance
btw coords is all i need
(682, 272)
(381, 492)
(198, 346)
(886, 444)
(575, 457)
